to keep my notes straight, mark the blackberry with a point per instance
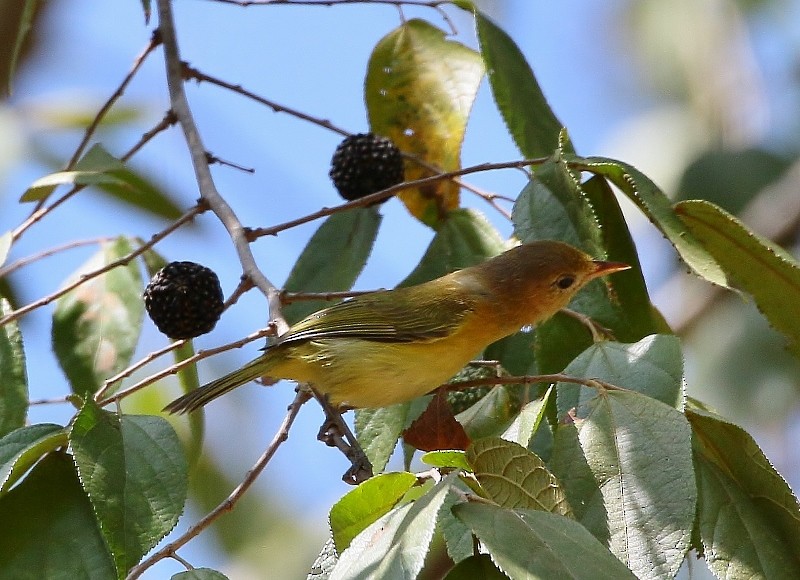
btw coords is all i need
(365, 163)
(184, 300)
(463, 400)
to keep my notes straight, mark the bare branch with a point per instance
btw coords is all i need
(205, 181)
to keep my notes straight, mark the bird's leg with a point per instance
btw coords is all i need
(336, 433)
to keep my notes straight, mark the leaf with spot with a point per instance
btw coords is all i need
(419, 90)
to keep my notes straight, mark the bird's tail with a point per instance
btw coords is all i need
(197, 398)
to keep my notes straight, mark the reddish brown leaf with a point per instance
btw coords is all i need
(437, 428)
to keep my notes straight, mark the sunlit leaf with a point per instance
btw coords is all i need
(135, 474)
(538, 544)
(528, 420)
(20, 449)
(637, 315)
(658, 209)
(378, 430)
(99, 168)
(637, 448)
(365, 504)
(453, 459)
(653, 366)
(199, 574)
(529, 118)
(748, 517)
(96, 325)
(55, 533)
(332, 259)
(513, 477)
(395, 545)
(757, 266)
(419, 90)
(13, 378)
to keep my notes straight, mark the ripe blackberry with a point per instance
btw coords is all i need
(365, 163)
(184, 300)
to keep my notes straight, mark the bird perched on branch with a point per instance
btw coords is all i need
(391, 346)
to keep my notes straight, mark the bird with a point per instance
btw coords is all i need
(391, 346)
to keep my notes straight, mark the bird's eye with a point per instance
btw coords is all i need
(565, 282)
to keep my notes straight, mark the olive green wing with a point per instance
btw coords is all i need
(418, 313)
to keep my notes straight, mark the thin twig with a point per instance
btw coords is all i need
(289, 297)
(22, 262)
(155, 40)
(190, 72)
(243, 286)
(389, 192)
(281, 435)
(171, 370)
(205, 181)
(530, 379)
(186, 217)
(41, 212)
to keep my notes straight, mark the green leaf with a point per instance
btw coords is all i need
(199, 574)
(527, 422)
(98, 167)
(477, 566)
(513, 477)
(537, 544)
(464, 239)
(731, 179)
(657, 207)
(395, 545)
(555, 189)
(54, 533)
(419, 90)
(653, 366)
(14, 383)
(760, 268)
(325, 563)
(637, 315)
(22, 448)
(530, 120)
(25, 24)
(135, 474)
(492, 414)
(446, 459)
(748, 517)
(378, 430)
(333, 258)
(366, 503)
(96, 325)
(639, 452)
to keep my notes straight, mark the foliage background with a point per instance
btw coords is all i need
(656, 87)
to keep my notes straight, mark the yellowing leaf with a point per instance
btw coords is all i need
(419, 90)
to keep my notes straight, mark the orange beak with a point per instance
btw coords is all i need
(602, 268)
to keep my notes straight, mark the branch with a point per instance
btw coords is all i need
(171, 370)
(197, 151)
(282, 435)
(41, 212)
(530, 379)
(186, 217)
(389, 192)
